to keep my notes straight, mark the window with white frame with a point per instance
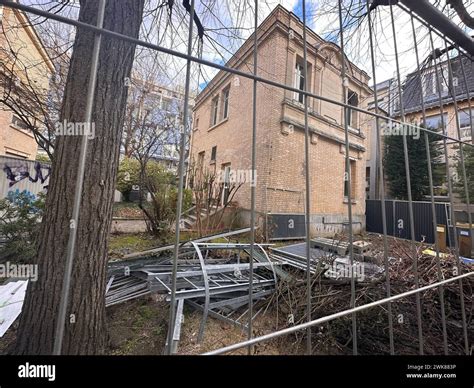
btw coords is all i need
(352, 100)
(465, 120)
(214, 110)
(225, 102)
(435, 123)
(299, 81)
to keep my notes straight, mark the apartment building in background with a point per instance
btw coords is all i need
(222, 129)
(24, 55)
(153, 107)
(451, 85)
(427, 89)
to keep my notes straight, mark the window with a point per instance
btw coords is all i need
(226, 183)
(352, 172)
(166, 105)
(214, 110)
(299, 81)
(201, 159)
(435, 123)
(225, 103)
(200, 162)
(213, 154)
(198, 176)
(465, 122)
(352, 100)
(18, 123)
(196, 124)
(465, 118)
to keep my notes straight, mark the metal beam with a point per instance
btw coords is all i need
(327, 318)
(441, 22)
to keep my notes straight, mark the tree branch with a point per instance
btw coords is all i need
(461, 10)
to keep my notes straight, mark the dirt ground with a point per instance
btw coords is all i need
(139, 327)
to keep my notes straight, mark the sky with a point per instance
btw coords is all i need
(229, 22)
(322, 17)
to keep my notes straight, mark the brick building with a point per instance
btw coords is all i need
(222, 127)
(22, 53)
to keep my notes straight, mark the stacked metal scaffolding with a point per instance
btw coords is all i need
(211, 277)
(220, 287)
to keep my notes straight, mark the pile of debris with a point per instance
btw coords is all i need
(328, 297)
(215, 278)
(211, 277)
(12, 295)
(330, 259)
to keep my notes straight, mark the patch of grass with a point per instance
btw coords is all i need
(138, 326)
(134, 242)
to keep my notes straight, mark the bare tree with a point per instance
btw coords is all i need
(85, 334)
(152, 132)
(212, 195)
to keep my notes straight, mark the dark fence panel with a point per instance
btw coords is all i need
(398, 220)
(286, 226)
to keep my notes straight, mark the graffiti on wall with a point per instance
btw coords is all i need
(18, 172)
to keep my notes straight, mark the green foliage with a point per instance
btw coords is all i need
(43, 158)
(187, 198)
(160, 184)
(394, 165)
(153, 179)
(128, 175)
(468, 153)
(21, 213)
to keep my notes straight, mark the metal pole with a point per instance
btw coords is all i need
(253, 182)
(450, 191)
(348, 178)
(458, 129)
(71, 246)
(410, 200)
(182, 151)
(441, 22)
(463, 168)
(331, 317)
(424, 23)
(382, 186)
(307, 188)
(468, 95)
(433, 205)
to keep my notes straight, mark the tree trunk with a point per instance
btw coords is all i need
(87, 335)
